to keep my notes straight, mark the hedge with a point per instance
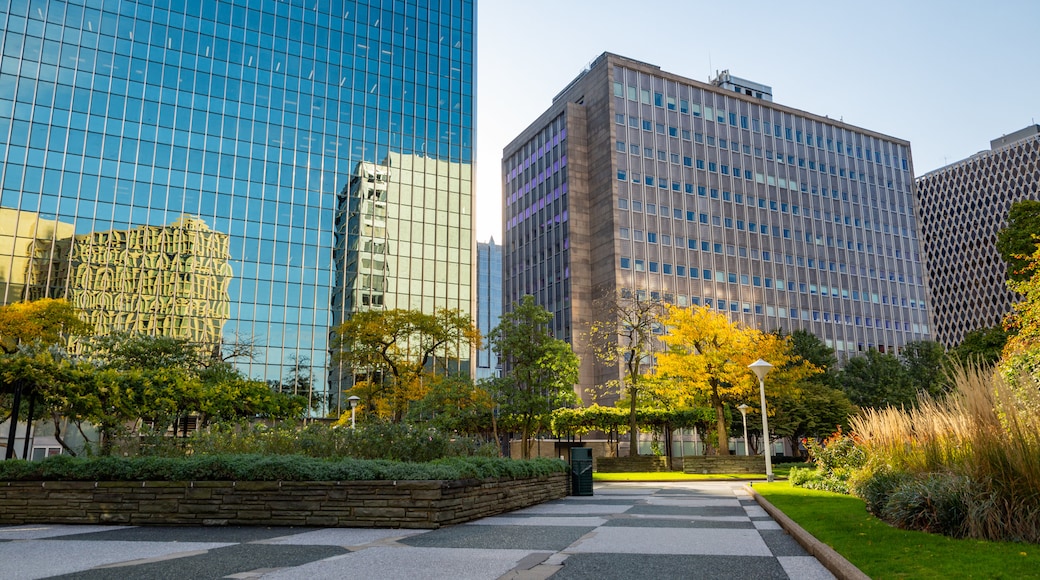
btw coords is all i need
(254, 467)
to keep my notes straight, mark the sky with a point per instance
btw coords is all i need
(947, 75)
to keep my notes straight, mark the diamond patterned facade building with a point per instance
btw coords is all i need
(962, 207)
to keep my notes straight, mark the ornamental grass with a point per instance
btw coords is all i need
(967, 464)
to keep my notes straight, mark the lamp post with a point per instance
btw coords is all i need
(353, 400)
(760, 368)
(743, 413)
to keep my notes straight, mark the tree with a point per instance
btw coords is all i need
(708, 358)
(455, 403)
(814, 407)
(50, 321)
(1017, 242)
(392, 353)
(540, 370)
(982, 346)
(877, 379)
(1021, 356)
(299, 380)
(926, 363)
(623, 334)
(44, 322)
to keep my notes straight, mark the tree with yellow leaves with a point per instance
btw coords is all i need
(48, 320)
(394, 353)
(707, 361)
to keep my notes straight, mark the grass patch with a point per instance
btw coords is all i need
(672, 476)
(779, 472)
(882, 551)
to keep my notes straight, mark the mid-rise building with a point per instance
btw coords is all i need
(703, 194)
(251, 117)
(962, 207)
(489, 305)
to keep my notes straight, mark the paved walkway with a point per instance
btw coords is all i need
(651, 530)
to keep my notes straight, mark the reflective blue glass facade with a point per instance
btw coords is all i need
(231, 129)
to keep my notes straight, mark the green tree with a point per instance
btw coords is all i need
(45, 322)
(1017, 241)
(540, 370)
(982, 346)
(623, 334)
(393, 353)
(814, 407)
(926, 367)
(877, 379)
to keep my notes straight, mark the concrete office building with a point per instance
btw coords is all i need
(489, 305)
(247, 118)
(713, 195)
(962, 207)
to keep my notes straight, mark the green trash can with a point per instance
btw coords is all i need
(581, 471)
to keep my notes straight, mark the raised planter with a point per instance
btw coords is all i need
(639, 463)
(368, 504)
(724, 464)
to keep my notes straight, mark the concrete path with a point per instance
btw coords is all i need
(651, 530)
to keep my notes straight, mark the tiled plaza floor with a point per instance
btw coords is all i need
(652, 530)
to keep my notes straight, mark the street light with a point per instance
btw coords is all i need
(743, 413)
(353, 401)
(760, 368)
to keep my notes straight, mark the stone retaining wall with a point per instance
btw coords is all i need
(725, 464)
(639, 463)
(369, 504)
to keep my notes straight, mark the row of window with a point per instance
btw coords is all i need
(640, 265)
(772, 205)
(862, 176)
(765, 127)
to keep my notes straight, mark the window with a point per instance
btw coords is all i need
(653, 267)
(651, 237)
(619, 119)
(621, 146)
(648, 126)
(626, 263)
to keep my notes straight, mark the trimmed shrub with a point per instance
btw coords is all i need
(269, 468)
(395, 442)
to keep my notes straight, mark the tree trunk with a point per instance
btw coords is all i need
(633, 435)
(15, 415)
(57, 434)
(722, 446)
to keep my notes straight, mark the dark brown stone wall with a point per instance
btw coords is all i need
(368, 504)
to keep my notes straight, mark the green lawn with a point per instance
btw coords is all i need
(882, 551)
(779, 471)
(672, 476)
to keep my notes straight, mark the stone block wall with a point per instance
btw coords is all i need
(639, 463)
(369, 504)
(725, 464)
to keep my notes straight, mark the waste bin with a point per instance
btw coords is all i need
(581, 471)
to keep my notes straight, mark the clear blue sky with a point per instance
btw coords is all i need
(946, 75)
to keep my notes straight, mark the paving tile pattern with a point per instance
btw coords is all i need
(651, 530)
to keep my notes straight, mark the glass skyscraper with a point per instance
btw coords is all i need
(184, 167)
